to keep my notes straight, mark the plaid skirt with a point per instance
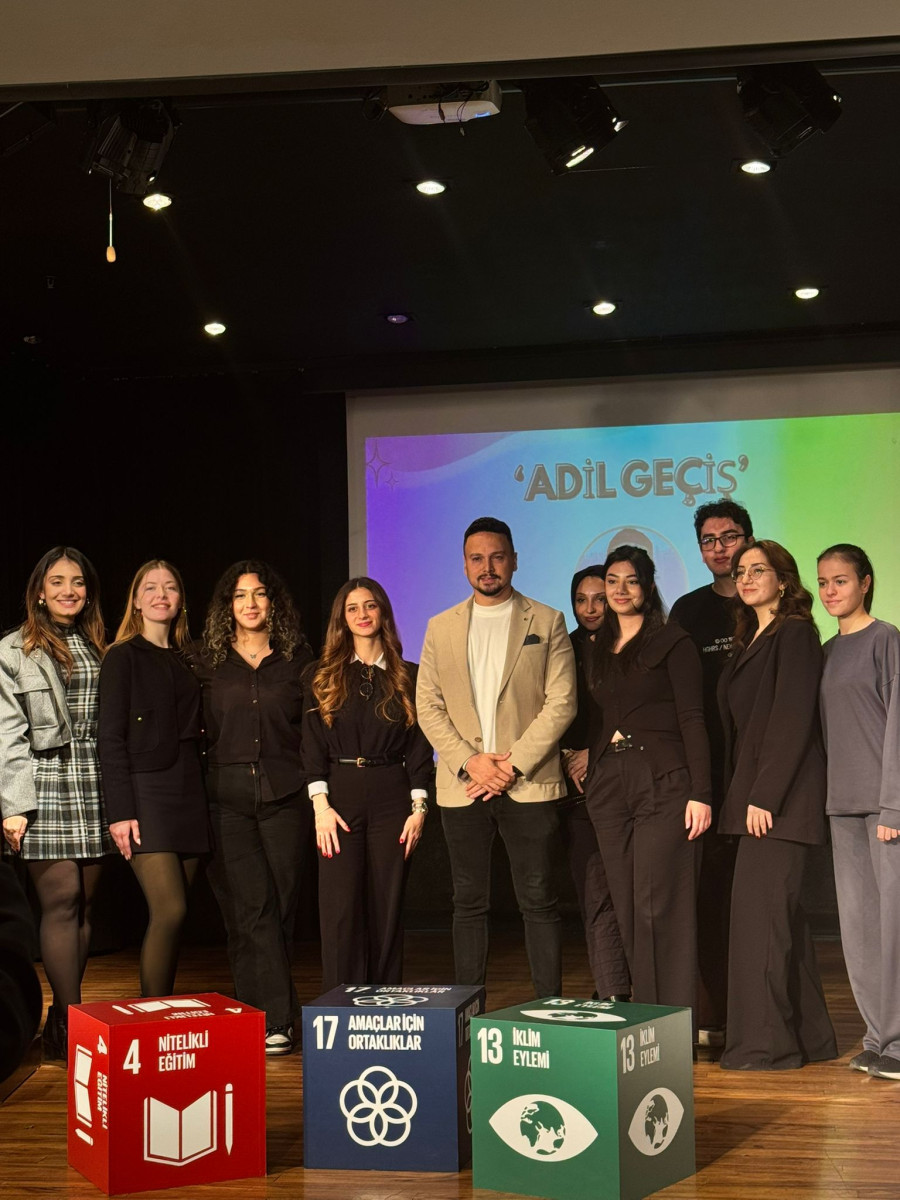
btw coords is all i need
(70, 822)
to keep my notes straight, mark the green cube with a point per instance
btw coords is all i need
(582, 1099)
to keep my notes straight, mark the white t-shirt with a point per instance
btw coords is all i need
(488, 640)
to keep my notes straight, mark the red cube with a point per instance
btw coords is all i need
(166, 1093)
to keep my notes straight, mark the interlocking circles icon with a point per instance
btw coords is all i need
(391, 1000)
(379, 1108)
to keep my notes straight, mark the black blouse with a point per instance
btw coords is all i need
(659, 701)
(358, 731)
(255, 716)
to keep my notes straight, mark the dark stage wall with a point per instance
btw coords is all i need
(200, 471)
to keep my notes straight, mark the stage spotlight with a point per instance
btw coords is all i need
(569, 119)
(787, 103)
(128, 143)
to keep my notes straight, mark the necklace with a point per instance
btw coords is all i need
(254, 657)
(367, 686)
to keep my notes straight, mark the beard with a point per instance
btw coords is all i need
(489, 585)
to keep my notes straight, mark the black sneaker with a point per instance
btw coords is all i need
(885, 1067)
(863, 1060)
(279, 1040)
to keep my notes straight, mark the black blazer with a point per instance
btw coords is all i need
(774, 756)
(139, 719)
(659, 701)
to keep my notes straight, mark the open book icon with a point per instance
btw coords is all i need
(82, 1073)
(179, 1136)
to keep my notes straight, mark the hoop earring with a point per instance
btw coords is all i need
(781, 591)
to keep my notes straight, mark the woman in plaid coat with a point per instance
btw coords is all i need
(49, 770)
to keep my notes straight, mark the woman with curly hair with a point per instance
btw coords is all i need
(250, 667)
(775, 804)
(150, 761)
(50, 774)
(369, 766)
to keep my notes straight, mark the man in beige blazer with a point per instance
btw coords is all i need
(496, 690)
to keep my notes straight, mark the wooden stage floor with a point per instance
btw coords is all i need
(821, 1133)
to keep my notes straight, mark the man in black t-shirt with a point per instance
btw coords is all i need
(722, 528)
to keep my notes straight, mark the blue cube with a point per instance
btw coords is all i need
(387, 1078)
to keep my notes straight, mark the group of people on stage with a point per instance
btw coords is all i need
(682, 759)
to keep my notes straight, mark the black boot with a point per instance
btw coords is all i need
(55, 1038)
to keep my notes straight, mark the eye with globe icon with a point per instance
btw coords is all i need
(655, 1122)
(543, 1127)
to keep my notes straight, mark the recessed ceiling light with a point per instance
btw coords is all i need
(603, 308)
(157, 201)
(756, 166)
(579, 154)
(431, 187)
(397, 318)
(214, 328)
(806, 293)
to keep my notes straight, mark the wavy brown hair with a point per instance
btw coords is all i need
(285, 630)
(795, 601)
(132, 623)
(329, 684)
(38, 630)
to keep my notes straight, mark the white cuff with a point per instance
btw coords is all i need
(418, 794)
(319, 788)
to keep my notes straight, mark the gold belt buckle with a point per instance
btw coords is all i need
(360, 762)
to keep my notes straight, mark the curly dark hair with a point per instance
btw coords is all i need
(794, 599)
(285, 630)
(727, 510)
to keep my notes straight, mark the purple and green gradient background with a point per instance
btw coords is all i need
(807, 482)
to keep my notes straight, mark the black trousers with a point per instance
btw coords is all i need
(259, 856)
(606, 954)
(777, 1017)
(361, 889)
(652, 870)
(713, 921)
(529, 832)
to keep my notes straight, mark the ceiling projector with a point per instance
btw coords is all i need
(440, 104)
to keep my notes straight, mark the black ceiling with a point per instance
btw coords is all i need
(295, 221)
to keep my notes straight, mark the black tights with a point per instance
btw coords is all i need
(65, 889)
(165, 880)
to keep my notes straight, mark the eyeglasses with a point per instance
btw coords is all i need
(755, 572)
(727, 539)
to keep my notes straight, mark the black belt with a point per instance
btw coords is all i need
(622, 743)
(378, 761)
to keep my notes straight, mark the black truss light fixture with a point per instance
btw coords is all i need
(569, 119)
(129, 141)
(787, 103)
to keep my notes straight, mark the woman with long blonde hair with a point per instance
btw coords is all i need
(369, 766)
(49, 773)
(149, 755)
